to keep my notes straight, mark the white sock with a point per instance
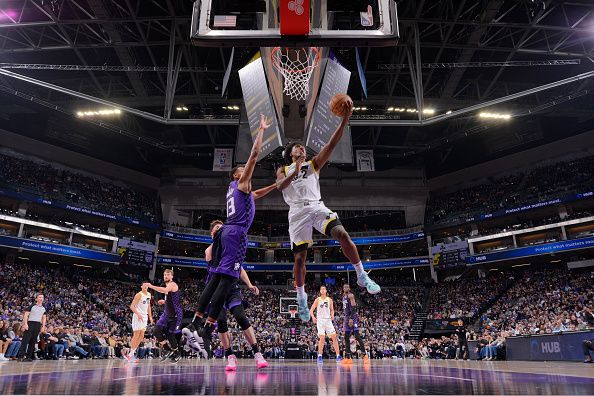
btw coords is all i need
(358, 268)
(301, 292)
(133, 352)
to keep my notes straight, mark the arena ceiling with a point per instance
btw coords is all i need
(470, 51)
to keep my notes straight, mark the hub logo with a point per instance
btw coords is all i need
(550, 347)
(296, 6)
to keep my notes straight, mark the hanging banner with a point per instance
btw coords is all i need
(223, 160)
(365, 161)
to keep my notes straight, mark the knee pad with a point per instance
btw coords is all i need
(159, 333)
(222, 326)
(240, 317)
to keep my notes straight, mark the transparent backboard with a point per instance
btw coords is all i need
(332, 23)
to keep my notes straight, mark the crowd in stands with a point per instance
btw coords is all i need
(510, 191)
(464, 298)
(543, 302)
(68, 186)
(273, 223)
(88, 311)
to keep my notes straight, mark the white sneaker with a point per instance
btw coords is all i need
(363, 280)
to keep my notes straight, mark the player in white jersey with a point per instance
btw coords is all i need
(142, 314)
(324, 316)
(300, 185)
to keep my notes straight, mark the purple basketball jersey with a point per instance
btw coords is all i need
(240, 207)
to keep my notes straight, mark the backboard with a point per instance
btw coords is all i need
(294, 23)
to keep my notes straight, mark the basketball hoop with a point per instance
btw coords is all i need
(296, 65)
(293, 311)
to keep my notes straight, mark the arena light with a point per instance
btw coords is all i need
(495, 116)
(521, 265)
(53, 262)
(84, 266)
(429, 111)
(449, 112)
(98, 113)
(555, 261)
(181, 108)
(23, 258)
(390, 109)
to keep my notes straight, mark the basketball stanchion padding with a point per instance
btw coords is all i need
(294, 17)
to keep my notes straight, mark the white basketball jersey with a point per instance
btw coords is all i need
(143, 304)
(305, 186)
(323, 310)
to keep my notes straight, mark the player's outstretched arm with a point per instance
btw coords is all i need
(245, 181)
(171, 287)
(283, 180)
(262, 192)
(324, 155)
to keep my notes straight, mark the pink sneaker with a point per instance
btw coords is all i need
(260, 361)
(231, 363)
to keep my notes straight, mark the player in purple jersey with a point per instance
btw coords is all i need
(170, 320)
(351, 325)
(230, 243)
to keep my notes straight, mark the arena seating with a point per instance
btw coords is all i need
(58, 183)
(538, 184)
(95, 306)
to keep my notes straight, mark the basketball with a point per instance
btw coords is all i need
(338, 104)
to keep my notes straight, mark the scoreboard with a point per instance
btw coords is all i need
(136, 254)
(449, 255)
(137, 258)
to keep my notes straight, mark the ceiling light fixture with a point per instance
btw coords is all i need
(102, 112)
(495, 116)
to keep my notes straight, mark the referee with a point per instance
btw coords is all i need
(33, 322)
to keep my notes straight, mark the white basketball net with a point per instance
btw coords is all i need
(296, 65)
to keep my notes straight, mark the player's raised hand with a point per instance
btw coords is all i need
(161, 302)
(146, 285)
(348, 107)
(298, 164)
(265, 122)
